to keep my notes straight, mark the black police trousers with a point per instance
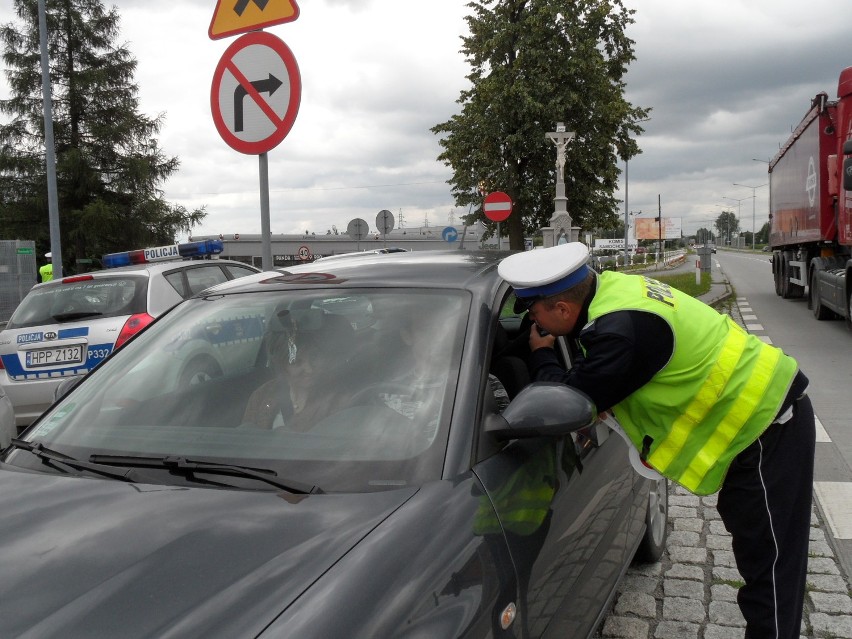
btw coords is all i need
(765, 503)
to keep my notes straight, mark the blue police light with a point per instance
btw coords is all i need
(187, 250)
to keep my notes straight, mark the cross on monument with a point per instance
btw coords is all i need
(560, 138)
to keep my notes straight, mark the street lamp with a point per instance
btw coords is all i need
(754, 199)
(739, 211)
(626, 221)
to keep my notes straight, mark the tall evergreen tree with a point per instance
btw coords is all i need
(108, 163)
(535, 63)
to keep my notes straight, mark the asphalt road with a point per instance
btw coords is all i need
(824, 351)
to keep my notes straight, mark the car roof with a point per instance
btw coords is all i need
(152, 267)
(475, 271)
(359, 254)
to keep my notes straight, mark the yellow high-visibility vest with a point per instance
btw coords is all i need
(46, 272)
(719, 391)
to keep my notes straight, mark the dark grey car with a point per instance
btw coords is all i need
(373, 461)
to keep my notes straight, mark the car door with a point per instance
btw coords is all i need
(561, 504)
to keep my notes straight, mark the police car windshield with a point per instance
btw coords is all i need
(350, 392)
(111, 296)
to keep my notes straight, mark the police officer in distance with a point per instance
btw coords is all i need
(707, 405)
(45, 273)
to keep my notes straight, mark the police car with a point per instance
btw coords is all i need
(7, 420)
(64, 328)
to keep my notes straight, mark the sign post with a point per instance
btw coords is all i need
(357, 230)
(385, 222)
(497, 206)
(255, 98)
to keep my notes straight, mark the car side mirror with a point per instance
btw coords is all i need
(543, 409)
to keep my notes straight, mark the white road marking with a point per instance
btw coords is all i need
(835, 497)
(821, 433)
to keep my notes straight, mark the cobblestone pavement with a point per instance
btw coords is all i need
(691, 592)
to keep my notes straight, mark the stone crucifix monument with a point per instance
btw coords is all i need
(560, 230)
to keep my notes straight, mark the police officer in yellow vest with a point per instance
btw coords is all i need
(706, 404)
(45, 273)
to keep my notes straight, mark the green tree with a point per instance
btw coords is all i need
(727, 225)
(535, 63)
(109, 166)
(763, 234)
(704, 236)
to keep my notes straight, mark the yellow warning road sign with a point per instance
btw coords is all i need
(232, 17)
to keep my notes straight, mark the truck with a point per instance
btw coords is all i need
(810, 207)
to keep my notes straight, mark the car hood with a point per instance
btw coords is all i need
(93, 557)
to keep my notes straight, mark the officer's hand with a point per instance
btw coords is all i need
(537, 340)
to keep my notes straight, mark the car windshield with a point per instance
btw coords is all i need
(81, 298)
(346, 391)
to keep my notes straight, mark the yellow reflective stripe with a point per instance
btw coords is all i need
(721, 372)
(742, 409)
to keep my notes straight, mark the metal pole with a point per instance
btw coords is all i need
(50, 152)
(626, 218)
(265, 229)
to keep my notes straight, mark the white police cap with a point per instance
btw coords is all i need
(540, 273)
(48, 255)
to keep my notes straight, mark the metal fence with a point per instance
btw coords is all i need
(17, 274)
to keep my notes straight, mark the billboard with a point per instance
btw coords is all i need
(647, 228)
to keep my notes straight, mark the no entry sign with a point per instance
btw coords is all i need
(497, 206)
(256, 93)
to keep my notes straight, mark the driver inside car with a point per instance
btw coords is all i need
(297, 397)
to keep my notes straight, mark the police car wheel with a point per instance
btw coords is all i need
(656, 523)
(200, 370)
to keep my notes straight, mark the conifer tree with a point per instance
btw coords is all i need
(535, 63)
(110, 168)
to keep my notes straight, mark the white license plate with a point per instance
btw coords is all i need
(61, 356)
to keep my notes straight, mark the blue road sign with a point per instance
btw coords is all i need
(450, 234)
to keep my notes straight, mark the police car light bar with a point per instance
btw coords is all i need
(204, 248)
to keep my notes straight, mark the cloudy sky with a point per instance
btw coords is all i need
(726, 80)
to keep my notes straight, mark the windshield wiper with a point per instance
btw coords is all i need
(189, 467)
(48, 455)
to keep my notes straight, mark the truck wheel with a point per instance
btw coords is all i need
(814, 302)
(849, 311)
(776, 275)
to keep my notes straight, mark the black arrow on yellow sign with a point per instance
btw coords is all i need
(270, 85)
(243, 4)
(241, 16)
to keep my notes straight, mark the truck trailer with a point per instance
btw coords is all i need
(810, 207)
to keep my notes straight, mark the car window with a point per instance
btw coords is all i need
(238, 271)
(348, 392)
(178, 282)
(203, 277)
(74, 300)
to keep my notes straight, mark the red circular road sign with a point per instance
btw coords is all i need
(497, 206)
(256, 93)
